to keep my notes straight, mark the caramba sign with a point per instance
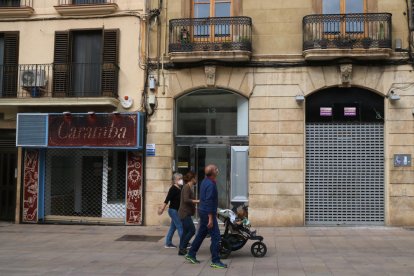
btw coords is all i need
(93, 130)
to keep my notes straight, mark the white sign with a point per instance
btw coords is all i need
(150, 150)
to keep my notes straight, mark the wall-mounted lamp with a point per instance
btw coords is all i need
(394, 96)
(299, 99)
(67, 113)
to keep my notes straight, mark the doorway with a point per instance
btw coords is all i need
(7, 184)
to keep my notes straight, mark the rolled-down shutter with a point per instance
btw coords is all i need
(11, 61)
(110, 63)
(61, 64)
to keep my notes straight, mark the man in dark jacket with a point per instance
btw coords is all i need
(208, 219)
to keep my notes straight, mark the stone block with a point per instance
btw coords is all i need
(284, 176)
(292, 127)
(276, 151)
(398, 176)
(160, 126)
(264, 127)
(276, 139)
(291, 114)
(263, 115)
(401, 190)
(160, 138)
(270, 217)
(273, 188)
(158, 162)
(401, 211)
(276, 202)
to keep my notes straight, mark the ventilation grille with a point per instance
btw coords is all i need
(32, 130)
(344, 173)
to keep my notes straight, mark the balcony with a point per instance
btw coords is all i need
(363, 36)
(16, 8)
(86, 7)
(221, 38)
(59, 84)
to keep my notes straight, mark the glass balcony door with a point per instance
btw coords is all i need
(346, 23)
(212, 31)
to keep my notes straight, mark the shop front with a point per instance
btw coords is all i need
(81, 167)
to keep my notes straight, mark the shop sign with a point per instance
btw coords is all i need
(402, 160)
(93, 130)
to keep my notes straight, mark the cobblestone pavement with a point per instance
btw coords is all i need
(94, 250)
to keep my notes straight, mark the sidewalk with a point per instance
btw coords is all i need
(94, 250)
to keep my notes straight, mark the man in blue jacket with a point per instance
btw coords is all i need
(207, 211)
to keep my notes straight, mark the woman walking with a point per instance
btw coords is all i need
(173, 198)
(186, 211)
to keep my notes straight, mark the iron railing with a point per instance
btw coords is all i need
(59, 80)
(15, 3)
(84, 2)
(210, 34)
(347, 31)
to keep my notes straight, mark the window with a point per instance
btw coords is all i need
(212, 113)
(88, 2)
(86, 63)
(9, 49)
(212, 8)
(350, 25)
(9, 3)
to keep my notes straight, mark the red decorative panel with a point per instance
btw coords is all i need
(96, 130)
(30, 185)
(134, 189)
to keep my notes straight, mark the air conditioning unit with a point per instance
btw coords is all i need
(33, 78)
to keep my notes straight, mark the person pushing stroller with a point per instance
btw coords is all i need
(208, 219)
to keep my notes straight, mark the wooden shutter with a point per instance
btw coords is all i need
(110, 62)
(11, 63)
(61, 64)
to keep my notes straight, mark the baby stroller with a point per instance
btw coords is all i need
(236, 235)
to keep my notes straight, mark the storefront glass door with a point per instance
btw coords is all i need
(217, 155)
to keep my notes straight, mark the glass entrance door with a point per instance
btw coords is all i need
(197, 157)
(217, 155)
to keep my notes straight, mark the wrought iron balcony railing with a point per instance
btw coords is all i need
(210, 34)
(85, 2)
(347, 31)
(15, 3)
(59, 80)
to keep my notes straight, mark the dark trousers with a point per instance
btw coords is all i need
(188, 231)
(201, 235)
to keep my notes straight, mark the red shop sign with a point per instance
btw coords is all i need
(97, 130)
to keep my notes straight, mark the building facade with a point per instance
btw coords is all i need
(305, 106)
(71, 80)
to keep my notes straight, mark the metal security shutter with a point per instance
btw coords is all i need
(32, 130)
(344, 173)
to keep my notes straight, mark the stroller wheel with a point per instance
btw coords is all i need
(258, 249)
(225, 248)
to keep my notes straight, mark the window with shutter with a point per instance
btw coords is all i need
(10, 64)
(76, 63)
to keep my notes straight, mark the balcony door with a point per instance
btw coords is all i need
(86, 63)
(215, 31)
(347, 24)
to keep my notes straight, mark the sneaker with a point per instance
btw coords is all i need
(182, 252)
(170, 246)
(191, 259)
(218, 265)
(188, 245)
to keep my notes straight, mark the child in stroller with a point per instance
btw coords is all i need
(237, 232)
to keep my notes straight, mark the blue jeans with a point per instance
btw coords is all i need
(201, 235)
(175, 224)
(188, 231)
